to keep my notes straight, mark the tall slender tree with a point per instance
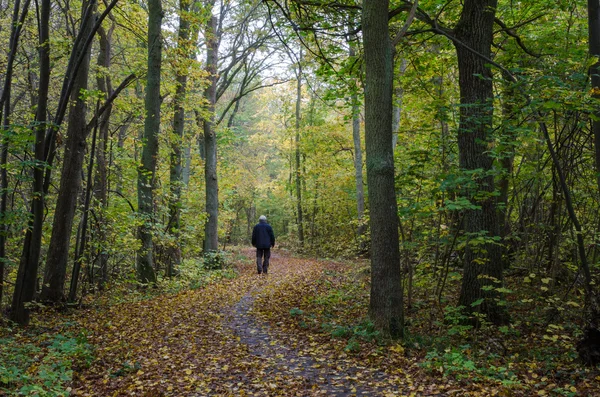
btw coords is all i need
(358, 158)
(213, 39)
(18, 19)
(104, 84)
(28, 266)
(298, 152)
(147, 169)
(70, 182)
(176, 175)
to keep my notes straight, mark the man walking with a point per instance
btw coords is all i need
(263, 239)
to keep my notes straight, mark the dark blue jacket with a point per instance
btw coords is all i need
(262, 235)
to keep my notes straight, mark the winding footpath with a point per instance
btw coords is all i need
(323, 377)
(214, 342)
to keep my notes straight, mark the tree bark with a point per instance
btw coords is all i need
(300, 216)
(211, 239)
(147, 170)
(594, 47)
(506, 162)
(385, 308)
(483, 262)
(5, 110)
(28, 266)
(397, 113)
(176, 171)
(82, 238)
(70, 182)
(358, 163)
(104, 83)
(594, 71)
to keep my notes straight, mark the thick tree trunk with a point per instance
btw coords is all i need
(176, 171)
(299, 214)
(385, 307)
(28, 266)
(70, 182)
(483, 263)
(211, 240)
(594, 47)
(147, 170)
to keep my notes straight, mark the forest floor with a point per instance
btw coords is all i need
(299, 331)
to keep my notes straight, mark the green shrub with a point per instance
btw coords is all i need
(215, 260)
(30, 370)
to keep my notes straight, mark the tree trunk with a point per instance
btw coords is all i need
(483, 263)
(103, 81)
(211, 239)
(82, 240)
(147, 170)
(300, 217)
(15, 33)
(506, 163)
(594, 47)
(70, 182)
(28, 266)
(385, 307)
(187, 160)
(399, 93)
(176, 172)
(358, 165)
(200, 137)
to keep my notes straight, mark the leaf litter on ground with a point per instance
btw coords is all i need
(299, 331)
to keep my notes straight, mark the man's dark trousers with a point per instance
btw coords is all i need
(262, 265)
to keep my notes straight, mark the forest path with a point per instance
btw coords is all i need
(222, 340)
(316, 375)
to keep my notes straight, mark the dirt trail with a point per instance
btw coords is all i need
(211, 342)
(329, 378)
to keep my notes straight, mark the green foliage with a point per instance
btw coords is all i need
(215, 260)
(456, 362)
(195, 274)
(28, 369)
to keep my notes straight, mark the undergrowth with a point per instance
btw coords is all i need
(40, 360)
(535, 351)
(41, 365)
